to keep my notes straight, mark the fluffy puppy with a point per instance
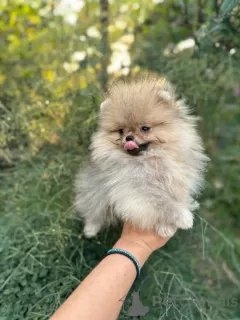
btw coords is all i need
(147, 161)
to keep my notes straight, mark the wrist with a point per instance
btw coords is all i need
(139, 250)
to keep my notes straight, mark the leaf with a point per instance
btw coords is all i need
(217, 28)
(34, 19)
(2, 78)
(227, 6)
(13, 18)
(15, 41)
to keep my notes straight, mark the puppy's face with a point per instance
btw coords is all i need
(137, 118)
(137, 138)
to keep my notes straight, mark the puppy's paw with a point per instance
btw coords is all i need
(166, 230)
(91, 230)
(185, 219)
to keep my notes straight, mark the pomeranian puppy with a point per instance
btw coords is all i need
(147, 161)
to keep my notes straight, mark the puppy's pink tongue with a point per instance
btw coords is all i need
(130, 145)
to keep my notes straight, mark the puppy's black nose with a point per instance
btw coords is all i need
(129, 138)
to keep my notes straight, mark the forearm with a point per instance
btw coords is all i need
(100, 295)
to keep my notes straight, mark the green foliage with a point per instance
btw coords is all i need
(227, 6)
(49, 98)
(222, 30)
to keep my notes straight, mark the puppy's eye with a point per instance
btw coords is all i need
(145, 128)
(120, 131)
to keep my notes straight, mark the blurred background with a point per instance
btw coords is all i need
(56, 60)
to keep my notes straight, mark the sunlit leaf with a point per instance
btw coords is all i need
(13, 18)
(31, 33)
(2, 78)
(83, 83)
(34, 19)
(15, 41)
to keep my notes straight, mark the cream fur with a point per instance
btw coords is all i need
(155, 189)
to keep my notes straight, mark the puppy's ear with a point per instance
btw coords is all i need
(103, 105)
(166, 91)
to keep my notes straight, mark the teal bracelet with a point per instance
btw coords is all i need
(128, 255)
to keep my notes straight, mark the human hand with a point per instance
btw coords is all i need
(140, 243)
(148, 239)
